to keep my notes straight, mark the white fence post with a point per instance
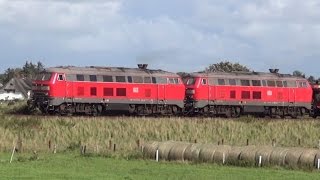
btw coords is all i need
(223, 158)
(157, 155)
(260, 161)
(318, 165)
(14, 149)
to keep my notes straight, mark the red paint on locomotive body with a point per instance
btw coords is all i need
(239, 92)
(78, 89)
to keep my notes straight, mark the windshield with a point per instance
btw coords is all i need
(43, 77)
(191, 81)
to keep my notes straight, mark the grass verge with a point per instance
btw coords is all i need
(73, 166)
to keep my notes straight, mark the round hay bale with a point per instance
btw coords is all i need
(206, 152)
(177, 151)
(234, 155)
(149, 149)
(248, 155)
(308, 158)
(293, 156)
(265, 153)
(277, 156)
(164, 149)
(192, 152)
(221, 154)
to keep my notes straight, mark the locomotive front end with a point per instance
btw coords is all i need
(316, 100)
(40, 95)
(190, 92)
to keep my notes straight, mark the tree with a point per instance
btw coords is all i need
(311, 79)
(184, 76)
(298, 74)
(226, 66)
(29, 70)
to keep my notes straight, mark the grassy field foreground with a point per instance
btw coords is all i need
(73, 166)
(97, 133)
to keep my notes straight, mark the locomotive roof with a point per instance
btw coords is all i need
(248, 75)
(97, 70)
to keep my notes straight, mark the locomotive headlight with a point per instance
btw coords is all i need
(45, 88)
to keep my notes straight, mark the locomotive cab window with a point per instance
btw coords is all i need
(60, 77)
(204, 81)
(44, 76)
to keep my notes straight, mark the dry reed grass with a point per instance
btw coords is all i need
(97, 133)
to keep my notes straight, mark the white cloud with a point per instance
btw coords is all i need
(167, 33)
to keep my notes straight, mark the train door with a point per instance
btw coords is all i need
(206, 89)
(161, 89)
(61, 85)
(292, 92)
(69, 89)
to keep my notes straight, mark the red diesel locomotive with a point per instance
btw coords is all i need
(141, 91)
(94, 90)
(232, 94)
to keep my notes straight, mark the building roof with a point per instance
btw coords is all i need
(18, 85)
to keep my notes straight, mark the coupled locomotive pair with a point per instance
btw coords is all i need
(142, 91)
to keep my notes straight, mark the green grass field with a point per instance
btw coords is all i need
(73, 166)
(68, 134)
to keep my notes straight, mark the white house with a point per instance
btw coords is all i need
(16, 88)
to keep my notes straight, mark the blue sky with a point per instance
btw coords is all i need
(174, 35)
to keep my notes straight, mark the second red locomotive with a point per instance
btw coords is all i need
(232, 94)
